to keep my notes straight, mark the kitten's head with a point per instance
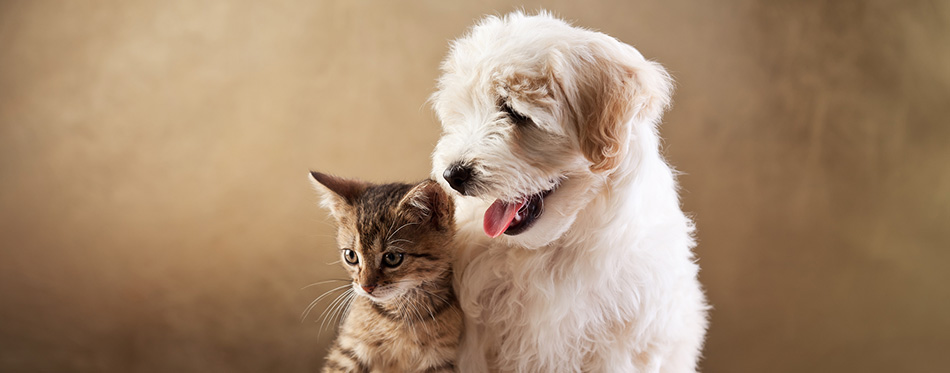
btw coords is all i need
(393, 238)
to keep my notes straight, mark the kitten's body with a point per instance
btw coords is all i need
(399, 339)
(393, 240)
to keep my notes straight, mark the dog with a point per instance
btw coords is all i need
(573, 252)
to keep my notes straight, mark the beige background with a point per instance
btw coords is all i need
(155, 215)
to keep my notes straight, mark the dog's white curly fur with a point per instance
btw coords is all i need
(605, 280)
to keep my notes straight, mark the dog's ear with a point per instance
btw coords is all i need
(609, 84)
(428, 202)
(339, 194)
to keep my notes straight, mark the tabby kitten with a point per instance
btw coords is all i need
(393, 241)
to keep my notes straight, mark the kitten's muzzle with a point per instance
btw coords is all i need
(459, 176)
(368, 288)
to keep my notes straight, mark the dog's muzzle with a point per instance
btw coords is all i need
(459, 177)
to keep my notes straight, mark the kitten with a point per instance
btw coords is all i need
(394, 242)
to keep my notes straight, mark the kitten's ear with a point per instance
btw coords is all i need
(428, 202)
(339, 194)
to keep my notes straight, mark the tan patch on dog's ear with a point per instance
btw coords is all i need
(428, 202)
(527, 87)
(611, 84)
(339, 194)
(603, 136)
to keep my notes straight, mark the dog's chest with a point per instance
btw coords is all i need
(539, 301)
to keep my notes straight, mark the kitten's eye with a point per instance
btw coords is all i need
(392, 260)
(350, 257)
(515, 116)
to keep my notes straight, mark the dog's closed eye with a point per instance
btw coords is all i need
(516, 117)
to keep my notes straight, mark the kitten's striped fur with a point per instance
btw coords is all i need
(407, 318)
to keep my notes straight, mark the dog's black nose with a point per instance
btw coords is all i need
(458, 176)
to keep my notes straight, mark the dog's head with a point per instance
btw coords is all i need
(537, 115)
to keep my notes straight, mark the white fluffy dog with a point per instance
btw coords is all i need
(549, 131)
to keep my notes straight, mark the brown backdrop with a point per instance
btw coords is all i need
(155, 214)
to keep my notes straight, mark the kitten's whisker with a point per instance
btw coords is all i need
(397, 230)
(400, 240)
(349, 305)
(331, 309)
(306, 312)
(325, 311)
(421, 319)
(454, 309)
(391, 229)
(428, 305)
(446, 301)
(323, 282)
(340, 314)
(440, 297)
(314, 302)
(328, 310)
(408, 310)
(346, 297)
(348, 301)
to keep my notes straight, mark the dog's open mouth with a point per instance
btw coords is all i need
(513, 218)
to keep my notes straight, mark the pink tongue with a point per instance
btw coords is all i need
(499, 216)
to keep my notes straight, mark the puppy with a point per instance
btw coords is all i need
(575, 253)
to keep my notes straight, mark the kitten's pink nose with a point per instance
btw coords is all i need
(368, 288)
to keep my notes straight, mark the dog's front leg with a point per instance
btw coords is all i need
(471, 357)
